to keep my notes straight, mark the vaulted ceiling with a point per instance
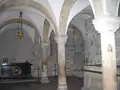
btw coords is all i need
(58, 12)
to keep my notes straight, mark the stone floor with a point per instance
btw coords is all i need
(74, 83)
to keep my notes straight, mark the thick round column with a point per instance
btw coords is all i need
(107, 26)
(61, 40)
(44, 75)
(108, 60)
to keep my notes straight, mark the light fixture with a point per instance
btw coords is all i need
(20, 27)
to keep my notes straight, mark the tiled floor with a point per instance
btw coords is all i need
(74, 83)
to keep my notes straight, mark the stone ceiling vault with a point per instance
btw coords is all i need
(60, 12)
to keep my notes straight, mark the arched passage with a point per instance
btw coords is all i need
(17, 20)
(74, 53)
(35, 5)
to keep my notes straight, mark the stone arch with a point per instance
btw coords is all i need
(82, 5)
(76, 9)
(15, 21)
(75, 55)
(29, 30)
(82, 17)
(12, 14)
(101, 8)
(86, 11)
(97, 7)
(76, 65)
(66, 8)
(31, 3)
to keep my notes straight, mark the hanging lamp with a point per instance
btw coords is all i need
(20, 27)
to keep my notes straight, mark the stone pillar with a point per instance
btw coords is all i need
(107, 26)
(44, 75)
(61, 40)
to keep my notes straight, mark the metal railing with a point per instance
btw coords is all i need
(100, 72)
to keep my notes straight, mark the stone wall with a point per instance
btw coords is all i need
(92, 42)
(93, 48)
(92, 39)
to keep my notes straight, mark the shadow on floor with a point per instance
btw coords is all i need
(74, 83)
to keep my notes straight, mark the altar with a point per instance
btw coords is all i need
(15, 70)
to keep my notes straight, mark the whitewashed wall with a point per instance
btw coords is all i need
(19, 50)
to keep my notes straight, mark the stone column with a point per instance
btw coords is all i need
(61, 40)
(44, 75)
(107, 26)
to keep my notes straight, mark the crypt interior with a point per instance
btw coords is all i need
(59, 45)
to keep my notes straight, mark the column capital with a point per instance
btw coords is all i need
(61, 39)
(106, 23)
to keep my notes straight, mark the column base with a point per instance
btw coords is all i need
(44, 80)
(62, 87)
